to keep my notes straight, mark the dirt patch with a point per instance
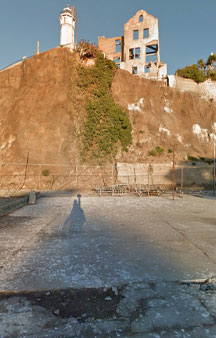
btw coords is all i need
(82, 304)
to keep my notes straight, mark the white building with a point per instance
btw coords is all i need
(67, 27)
(138, 50)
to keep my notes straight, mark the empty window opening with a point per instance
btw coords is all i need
(152, 49)
(64, 19)
(145, 33)
(117, 62)
(134, 70)
(136, 35)
(141, 18)
(137, 53)
(131, 53)
(118, 46)
(151, 58)
(147, 69)
(134, 53)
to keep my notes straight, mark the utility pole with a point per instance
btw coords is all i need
(38, 47)
(173, 175)
(214, 168)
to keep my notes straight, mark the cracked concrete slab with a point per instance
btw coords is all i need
(139, 247)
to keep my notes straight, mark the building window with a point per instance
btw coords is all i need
(141, 18)
(134, 70)
(118, 46)
(151, 58)
(134, 53)
(131, 53)
(117, 62)
(145, 33)
(64, 19)
(137, 53)
(151, 49)
(136, 35)
(147, 69)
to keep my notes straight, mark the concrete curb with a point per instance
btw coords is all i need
(16, 204)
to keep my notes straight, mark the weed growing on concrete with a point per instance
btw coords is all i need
(45, 172)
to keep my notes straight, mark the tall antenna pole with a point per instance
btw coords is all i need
(173, 175)
(214, 167)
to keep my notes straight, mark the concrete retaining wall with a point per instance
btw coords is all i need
(206, 89)
(87, 177)
(15, 204)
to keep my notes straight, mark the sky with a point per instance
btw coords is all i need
(186, 27)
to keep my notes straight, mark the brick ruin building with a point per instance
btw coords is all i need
(138, 51)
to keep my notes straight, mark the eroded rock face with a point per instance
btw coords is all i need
(35, 111)
(166, 117)
(42, 113)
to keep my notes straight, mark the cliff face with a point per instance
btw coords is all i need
(162, 116)
(36, 113)
(42, 113)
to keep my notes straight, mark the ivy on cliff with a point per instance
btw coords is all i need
(107, 124)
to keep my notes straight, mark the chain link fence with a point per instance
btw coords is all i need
(20, 176)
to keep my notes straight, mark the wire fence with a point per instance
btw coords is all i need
(19, 176)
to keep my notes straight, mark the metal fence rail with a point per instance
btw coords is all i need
(18, 176)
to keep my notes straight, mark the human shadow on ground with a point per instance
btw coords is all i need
(76, 219)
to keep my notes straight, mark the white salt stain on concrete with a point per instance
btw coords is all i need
(201, 133)
(3, 146)
(213, 135)
(8, 143)
(136, 106)
(179, 138)
(164, 130)
(168, 110)
(167, 107)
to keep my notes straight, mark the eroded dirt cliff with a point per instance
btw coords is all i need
(37, 110)
(162, 116)
(42, 114)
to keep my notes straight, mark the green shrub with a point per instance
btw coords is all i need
(107, 123)
(202, 159)
(192, 158)
(169, 151)
(152, 152)
(157, 151)
(209, 161)
(45, 172)
(212, 75)
(192, 72)
(141, 131)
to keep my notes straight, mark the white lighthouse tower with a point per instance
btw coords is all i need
(67, 27)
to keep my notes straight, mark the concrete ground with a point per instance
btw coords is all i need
(109, 267)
